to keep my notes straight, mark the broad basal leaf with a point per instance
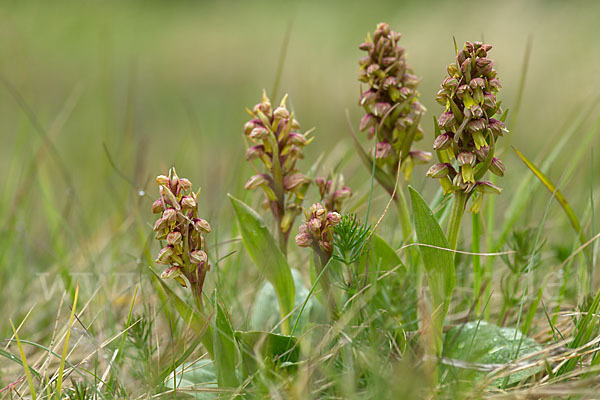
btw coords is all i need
(477, 345)
(439, 264)
(266, 255)
(273, 349)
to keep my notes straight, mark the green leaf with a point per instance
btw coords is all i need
(224, 348)
(265, 312)
(380, 256)
(273, 349)
(439, 264)
(267, 256)
(198, 375)
(482, 343)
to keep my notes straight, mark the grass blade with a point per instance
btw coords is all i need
(198, 322)
(555, 192)
(61, 369)
(24, 361)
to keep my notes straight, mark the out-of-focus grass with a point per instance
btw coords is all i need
(163, 83)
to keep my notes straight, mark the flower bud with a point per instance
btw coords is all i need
(170, 215)
(160, 224)
(368, 97)
(494, 83)
(367, 121)
(174, 238)
(438, 171)
(373, 69)
(452, 70)
(450, 83)
(482, 152)
(388, 61)
(157, 206)
(366, 46)
(477, 83)
(248, 127)
(188, 202)
(384, 150)
(198, 257)
(255, 181)
(164, 255)
(443, 141)
(185, 184)
(334, 218)
(343, 193)
(259, 133)
(489, 101)
(171, 272)
(281, 113)
(497, 167)
(169, 197)
(446, 120)
(201, 225)
(162, 180)
(314, 225)
(487, 187)
(255, 152)
(326, 246)
(291, 182)
(476, 125)
(465, 158)
(317, 209)
(497, 127)
(380, 109)
(303, 240)
(483, 62)
(420, 156)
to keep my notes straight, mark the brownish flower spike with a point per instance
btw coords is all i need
(278, 144)
(468, 128)
(333, 192)
(183, 230)
(391, 97)
(317, 230)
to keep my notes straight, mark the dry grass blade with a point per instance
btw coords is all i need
(25, 366)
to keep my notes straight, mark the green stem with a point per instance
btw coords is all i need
(283, 239)
(458, 209)
(489, 262)
(321, 259)
(403, 215)
(477, 270)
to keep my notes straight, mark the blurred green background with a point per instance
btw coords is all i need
(161, 83)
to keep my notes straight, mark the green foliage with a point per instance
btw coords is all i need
(350, 237)
(224, 347)
(260, 348)
(478, 345)
(439, 264)
(198, 378)
(265, 311)
(266, 255)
